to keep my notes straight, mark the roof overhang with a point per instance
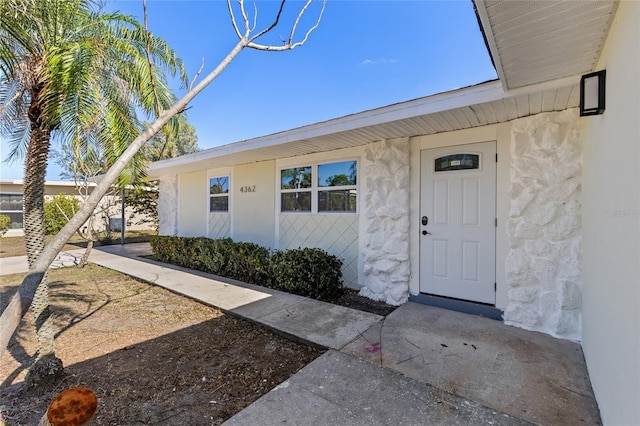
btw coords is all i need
(539, 48)
(531, 42)
(465, 108)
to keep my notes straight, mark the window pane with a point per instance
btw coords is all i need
(16, 219)
(338, 174)
(11, 202)
(337, 201)
(296, 178)
(219, 204)
(457, 162)
(219, 185)
(295, 202)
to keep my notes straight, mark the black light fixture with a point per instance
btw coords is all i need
(592, 93)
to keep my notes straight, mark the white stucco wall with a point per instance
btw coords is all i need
(254, 210)
(611, 223)
(543, 265)
(193, 202)
(385, 221)
(168, 205)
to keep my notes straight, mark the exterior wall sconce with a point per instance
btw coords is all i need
(592, 93)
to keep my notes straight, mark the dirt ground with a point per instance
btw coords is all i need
(151, 356)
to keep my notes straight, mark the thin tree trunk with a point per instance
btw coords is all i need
(85, 255)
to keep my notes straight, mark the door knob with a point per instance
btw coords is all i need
(426, 232)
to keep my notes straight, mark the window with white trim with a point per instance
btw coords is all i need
(219, 194)
(320, 188)
(296, 189)
(11, 205)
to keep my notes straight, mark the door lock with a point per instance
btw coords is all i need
(425, 220)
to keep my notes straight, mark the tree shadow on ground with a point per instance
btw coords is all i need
(202, 374)
(64, 316)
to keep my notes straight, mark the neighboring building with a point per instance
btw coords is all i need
(11, 197)
(500, 194)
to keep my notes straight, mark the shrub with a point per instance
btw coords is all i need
(207, 255)
(171, 249)
(308, 272)
(248, 262)
(5, 222)
(58, 211)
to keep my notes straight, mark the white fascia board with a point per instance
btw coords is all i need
(559, 83)
(485, 92)
(485, 23)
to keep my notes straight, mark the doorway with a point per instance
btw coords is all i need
(458, 222)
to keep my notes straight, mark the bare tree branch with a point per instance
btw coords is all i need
(291, 44)
(255, 18)
(233, 19)
(245, 18)
(195, 77)
(295, 25)
(273, 24)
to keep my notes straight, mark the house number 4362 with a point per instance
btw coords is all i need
(250, 188)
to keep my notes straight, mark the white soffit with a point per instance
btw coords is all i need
(536, 41)
(474, 106)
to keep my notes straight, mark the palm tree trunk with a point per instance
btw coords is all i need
(47, 365)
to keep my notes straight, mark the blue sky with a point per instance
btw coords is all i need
(365, 54)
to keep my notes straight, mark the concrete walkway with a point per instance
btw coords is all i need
(419, 365)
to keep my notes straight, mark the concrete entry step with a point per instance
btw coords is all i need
(529, 375)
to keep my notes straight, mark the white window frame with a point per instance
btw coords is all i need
(212, 174)
(14, 211)
(315, 188)
(296, 190)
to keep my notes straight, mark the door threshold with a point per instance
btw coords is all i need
(457, 305)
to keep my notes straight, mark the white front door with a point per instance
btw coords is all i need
(458, 222)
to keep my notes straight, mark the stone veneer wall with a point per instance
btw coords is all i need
(385, 215)
(543, 265)
(168, 205)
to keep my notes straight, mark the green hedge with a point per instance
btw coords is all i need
(310, 272)
(307, 271)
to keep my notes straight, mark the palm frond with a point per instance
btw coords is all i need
(87, 74)
(14, 125)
